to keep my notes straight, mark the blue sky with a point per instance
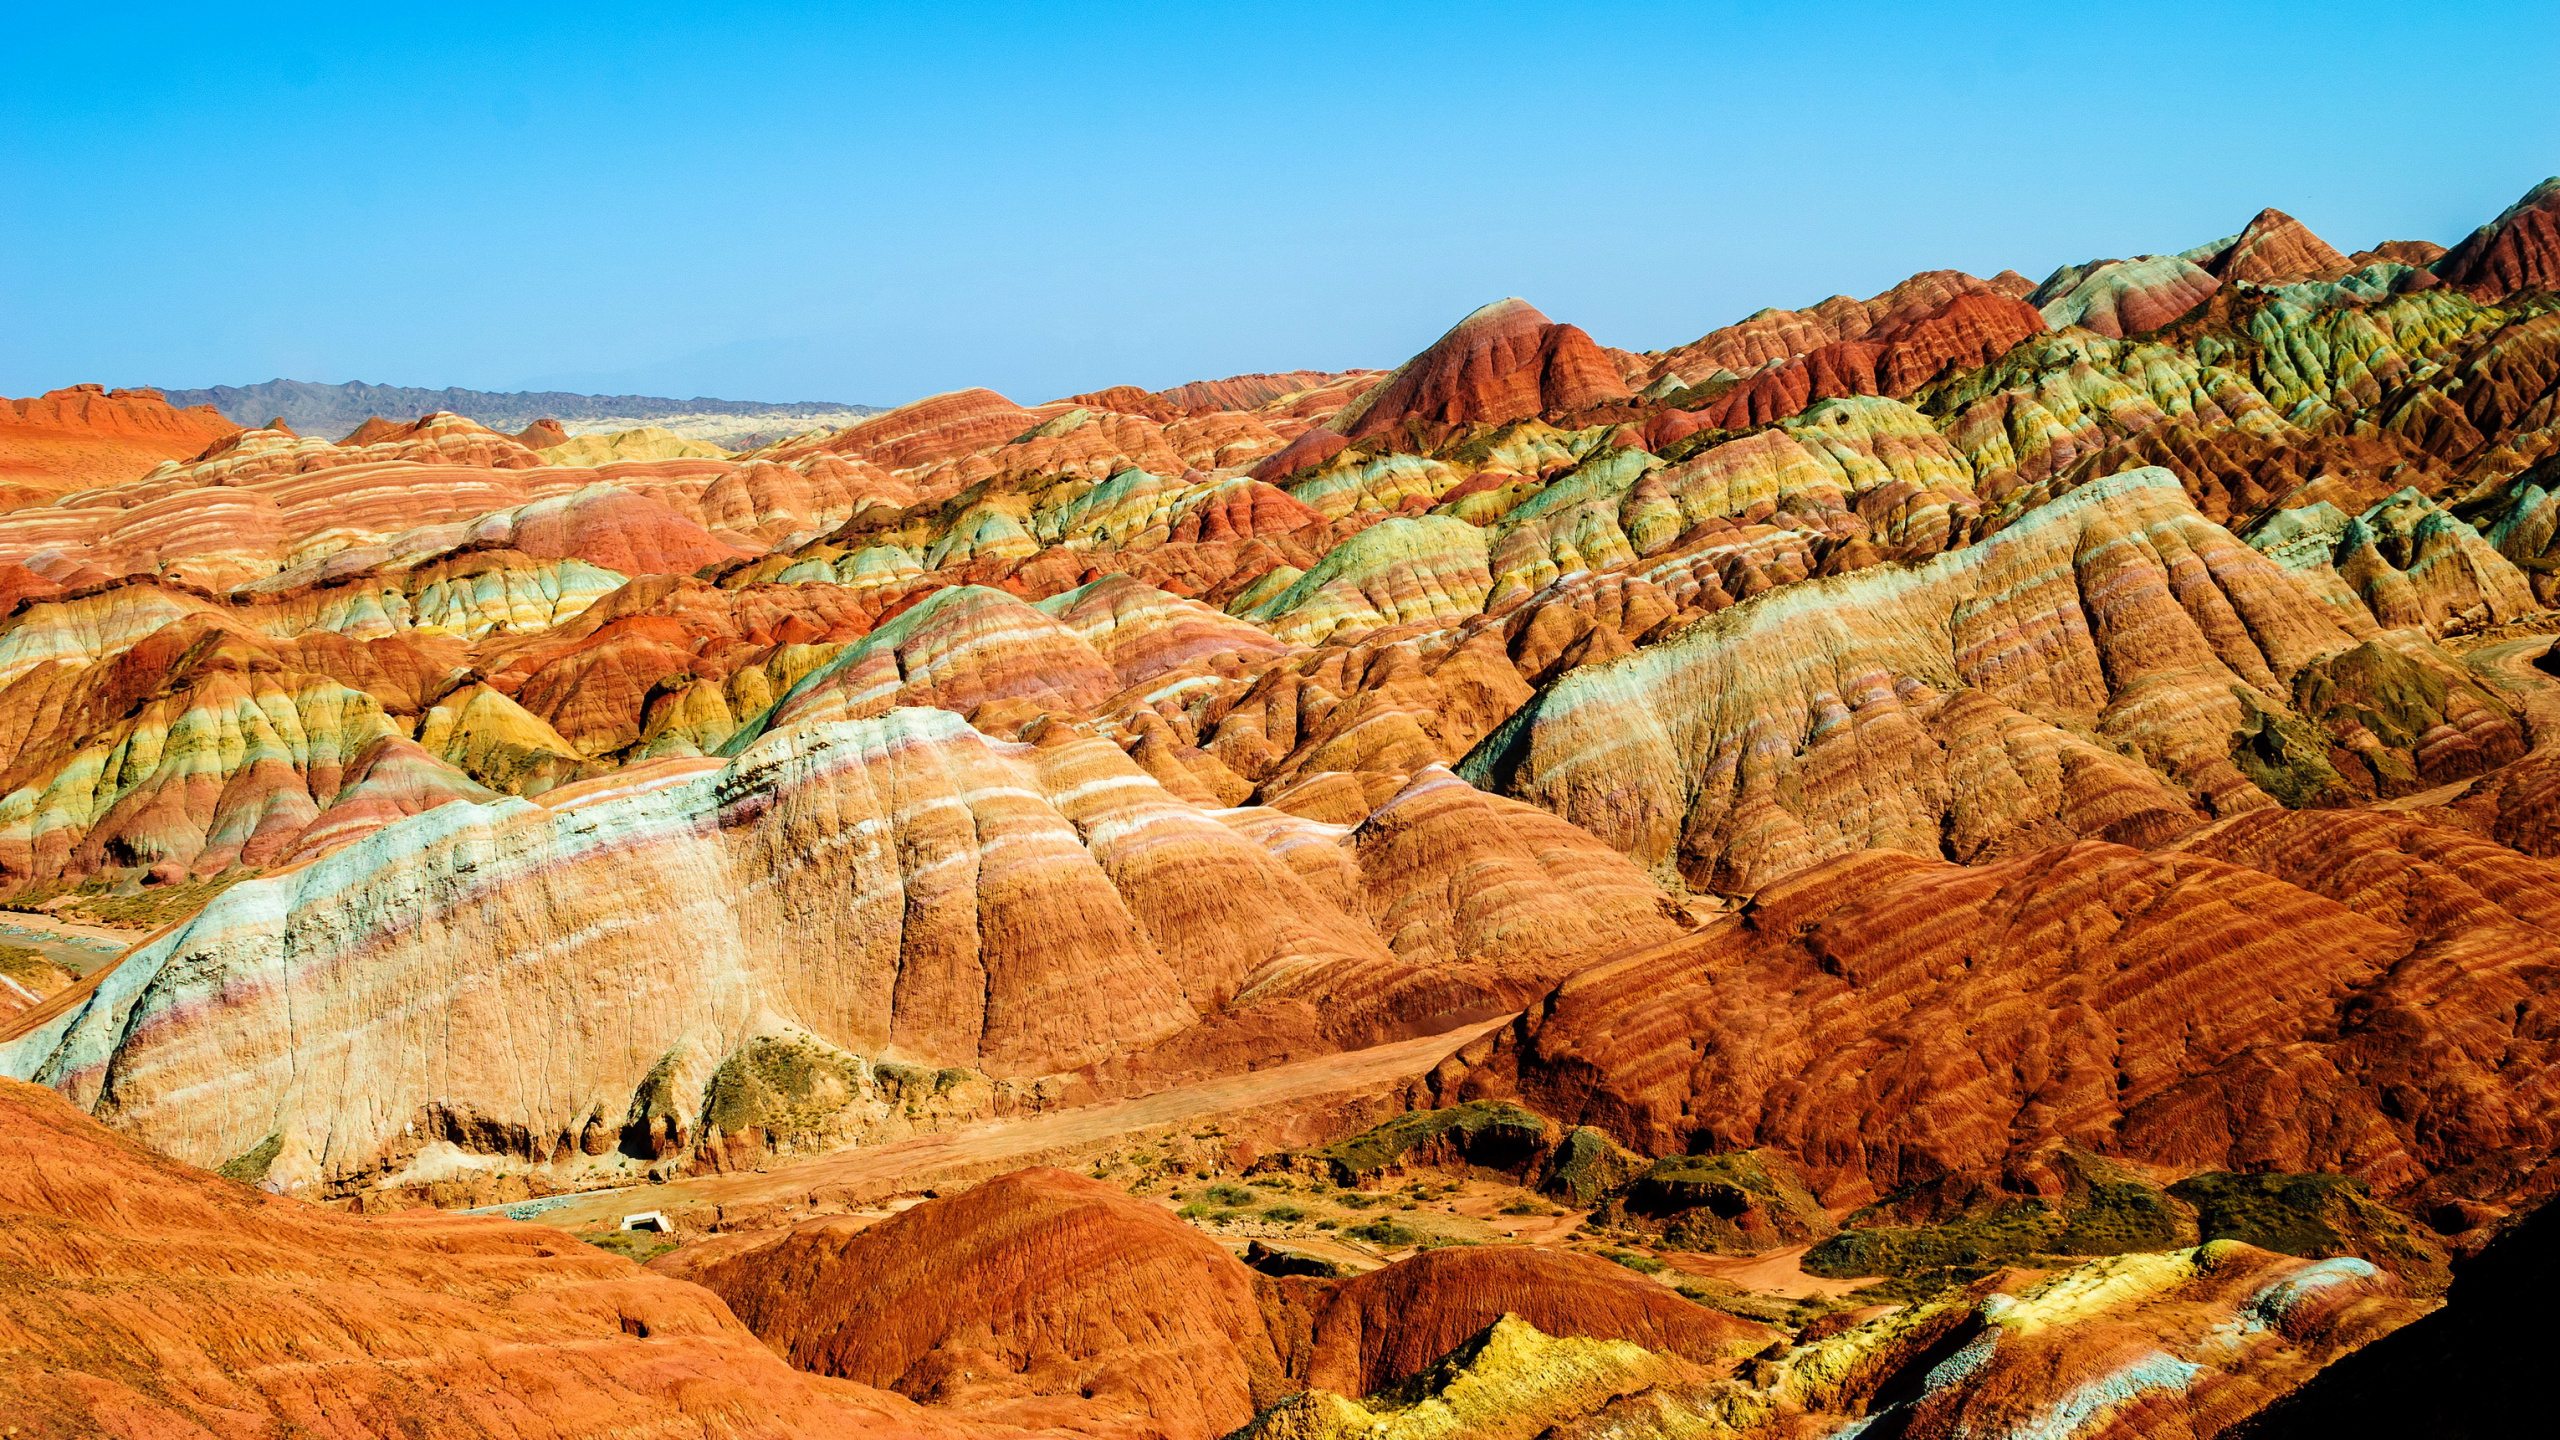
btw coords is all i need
(871, 203)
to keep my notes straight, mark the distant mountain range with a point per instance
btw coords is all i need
(312, 408)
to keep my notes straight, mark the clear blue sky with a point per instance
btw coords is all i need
(871, 203)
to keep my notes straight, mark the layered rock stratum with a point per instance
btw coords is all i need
(1981, 855)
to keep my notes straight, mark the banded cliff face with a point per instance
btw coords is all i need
(565, 984)
(2348, 993)
(2084, 671)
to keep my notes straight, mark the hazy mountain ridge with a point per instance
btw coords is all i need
(314, 408)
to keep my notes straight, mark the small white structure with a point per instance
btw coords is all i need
(648, 1220)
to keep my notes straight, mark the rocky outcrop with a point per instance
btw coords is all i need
(900, 890)
(2444, 1373)
(1395, 1323)
(1772, 336)
(2275, 249)
(87, 435)
(2185, 1342)
(1204, 397)
(2520, 250)
(1886, 1021)
(1895, 357)
(1503, 362)
(2117, 298)
(1038, 1299)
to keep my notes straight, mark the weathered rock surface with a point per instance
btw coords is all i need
(2082, 672)
(146, 1297)
(1503, 362)
(2179, 1343)
(88, 435)
(900, 890)
(1886, 1021)
(2520, 250)
(679, 811)
(1042, 1298)
(2276, 249)
(1392, 1324)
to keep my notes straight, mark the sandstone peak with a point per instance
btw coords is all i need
(1504, 361)
(2274, 249)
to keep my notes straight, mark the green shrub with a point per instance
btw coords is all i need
(1481, 1131)
(642, 1246)
(1641, 1264)
(1383, 1233)
(1230, 1195)
(1284, 1214)
(2022, 1228)
(2284, 1213)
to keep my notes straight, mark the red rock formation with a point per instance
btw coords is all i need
(1886, 1020)
(2276, 249)
(88, 435)
(1042, 1298)
(1202, 397)
(2520, 250)
(1761, 740)
(540, 435)
(2116, 298)
(1367, 1334)
(1775, 335)
(603, 525)
(938, 427)
(1895, 358)
(2420, 253)
(148, 1298)
(1503, 362)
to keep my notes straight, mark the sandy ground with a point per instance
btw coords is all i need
(1773, 1272)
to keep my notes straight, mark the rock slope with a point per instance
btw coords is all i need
(149, 1298)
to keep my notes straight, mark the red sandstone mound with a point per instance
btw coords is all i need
(1203, 397)
(938, 427)
(1038, 1298)
(145, 1298)
(605, 525)
(88, 435)
(1503, 362)
(1897, 357)
(2276, 249)
(1776, 335)
(1047, 1298)
(1366, 1334)
(2520, 250)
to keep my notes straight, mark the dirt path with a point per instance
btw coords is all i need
(1774, 1272)
(1308, 1102)
(2508, 666)
(80, 947)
